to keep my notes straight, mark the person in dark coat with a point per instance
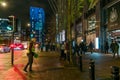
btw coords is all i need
(30, 55)
(114, 47)
(91, 47)
(68, 51)
(83, 47)
(106, 47)
(77, 49)
(62, 49)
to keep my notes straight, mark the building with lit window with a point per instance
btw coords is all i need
(37, 20)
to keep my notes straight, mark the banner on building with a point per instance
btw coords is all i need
(114, 17)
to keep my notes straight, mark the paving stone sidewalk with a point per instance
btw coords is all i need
(49, 67)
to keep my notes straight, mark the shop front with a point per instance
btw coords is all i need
(91, 34)
(113, 25)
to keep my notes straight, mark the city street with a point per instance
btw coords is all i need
(5, 62)
(48, 67)
(74, 26)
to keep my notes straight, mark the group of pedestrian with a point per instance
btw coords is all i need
(82, 48)
(64, 51)
(79, 48)
(50, 46)
(114, 47)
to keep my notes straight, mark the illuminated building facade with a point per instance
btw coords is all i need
(37, 20)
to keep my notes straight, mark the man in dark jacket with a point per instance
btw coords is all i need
(91, 47)
(106, 47)
(30, 55)
(114, 47)
(83, 48)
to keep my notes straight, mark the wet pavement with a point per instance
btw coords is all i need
(49, 67)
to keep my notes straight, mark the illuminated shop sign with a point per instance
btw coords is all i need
(114, 17)
(62, 36)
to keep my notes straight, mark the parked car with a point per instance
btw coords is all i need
(4, 48)
(17, 46)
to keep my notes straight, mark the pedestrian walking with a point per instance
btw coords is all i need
(91, 47)
(41, 46)
(30, 55)
(68, 51)
(106, 47)
(54, 46)
(62, 49)
(76, 48)
(83, 48)
(114, 47)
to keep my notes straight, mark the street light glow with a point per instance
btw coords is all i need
(3, 4)
(28, 24)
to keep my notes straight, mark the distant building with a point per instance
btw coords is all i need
(37, 20)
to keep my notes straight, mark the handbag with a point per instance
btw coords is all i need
(35, 55)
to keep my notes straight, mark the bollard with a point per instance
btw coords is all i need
(80, 60)
(92, 70)
(115, 72)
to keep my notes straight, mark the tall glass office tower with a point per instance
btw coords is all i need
(37, 20)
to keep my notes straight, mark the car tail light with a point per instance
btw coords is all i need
(20, 46)
(12, 45)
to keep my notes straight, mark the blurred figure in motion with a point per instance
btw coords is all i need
(54, 46)
(106, 47)
(30, 55)
(83, 47)
(114, 47)
(91, 47)
(67, 51)
(62, 48)
(41, 46)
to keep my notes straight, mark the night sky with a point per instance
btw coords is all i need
(20, 9)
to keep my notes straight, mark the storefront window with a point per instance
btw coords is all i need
(62, 36)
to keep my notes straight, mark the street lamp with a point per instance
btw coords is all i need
(28, 24)
(4, 4)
